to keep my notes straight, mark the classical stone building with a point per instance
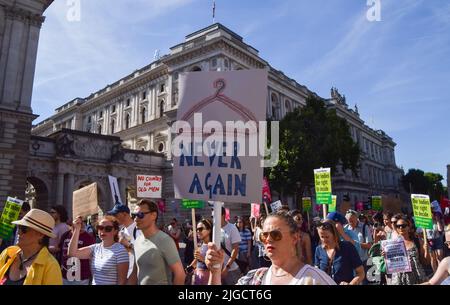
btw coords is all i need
(140, 107)
(20, 24)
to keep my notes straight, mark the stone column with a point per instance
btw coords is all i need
(69, 194)
(122, 190)
(60, 189)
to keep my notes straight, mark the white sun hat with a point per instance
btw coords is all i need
(38, 220)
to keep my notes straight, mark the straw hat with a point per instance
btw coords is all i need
(38, 220)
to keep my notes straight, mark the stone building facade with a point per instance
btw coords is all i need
(140, 107)
(20, 24)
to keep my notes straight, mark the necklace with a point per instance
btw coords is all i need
(24, 261)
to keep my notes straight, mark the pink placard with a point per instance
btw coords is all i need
(227, 214)
(255, 210)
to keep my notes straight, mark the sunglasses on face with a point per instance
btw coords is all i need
(325, 226)
(139, 215)
(276, 235)
(107, 229)
(201, 229)
(402, 226)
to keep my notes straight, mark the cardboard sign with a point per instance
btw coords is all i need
(322, 184)
(396, 256)
(115, 190)
(422, 211)
(377, 204)
(85, 201)
(10, 213)
(276, 206)
(332, 207)
(148, 186)
(204, 169)
(307, 204)
(254, 212)
(192, 204)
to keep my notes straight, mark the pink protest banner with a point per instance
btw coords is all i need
(255, 210)
(266, 190)
(227, 214)
(359, 206)
(161, 206)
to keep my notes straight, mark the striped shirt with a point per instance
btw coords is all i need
(104, 262)
(246, 235)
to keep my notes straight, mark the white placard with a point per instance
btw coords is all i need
(207, 98)
(277, 205)
(148, 186)
(395, 256)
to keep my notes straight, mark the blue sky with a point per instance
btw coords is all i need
(396, 70)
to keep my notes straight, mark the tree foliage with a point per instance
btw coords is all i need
(311, 137)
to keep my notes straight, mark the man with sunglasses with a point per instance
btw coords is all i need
(157, 261)
(128, 231)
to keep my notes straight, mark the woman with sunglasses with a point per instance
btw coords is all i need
(30, 262)
(204, 233)
(339, 259)
(109, 259)
(280, 237)
(418, 253)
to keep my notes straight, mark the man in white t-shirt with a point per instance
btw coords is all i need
(128, 231)
(230, 240)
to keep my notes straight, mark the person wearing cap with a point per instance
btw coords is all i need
(30, 262)
(128, 231)
(338, 258)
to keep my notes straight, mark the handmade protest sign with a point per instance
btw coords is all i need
(276, 206)
(85, 201)
(422, 211)
(396, 256)
(148, 186)
(10, 213)
(332, 207)
(254, 212)
(322, 184)
(307, 204)
(192, 204)
(377, 203)
(215, 157)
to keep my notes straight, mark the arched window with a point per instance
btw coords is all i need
(161, 147)
(143, 115)
(287, 105)
(113, 124)
(127, 121)
(196, 69)
(99, 129)
(275, 106)
(161, 108)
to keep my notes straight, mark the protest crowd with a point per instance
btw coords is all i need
(129, 248)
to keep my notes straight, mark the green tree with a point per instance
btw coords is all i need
(435, 186)
(311, 137)
(415, 182)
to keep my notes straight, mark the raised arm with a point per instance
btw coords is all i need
(73, 251)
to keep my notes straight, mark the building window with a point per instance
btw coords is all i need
(161, 147)
(101, 114)
(275, 107)
(196, 69)
(161, 108)
(226, 63)
(287, 105)
(99, 129)
(113, 109)
(128, 103)
(89, 119)
(143, 115)
(214, 62)
(162, 88)
(127, 121)
(144, 95)
(113, 123)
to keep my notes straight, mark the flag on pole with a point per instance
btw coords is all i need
(214, 10)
